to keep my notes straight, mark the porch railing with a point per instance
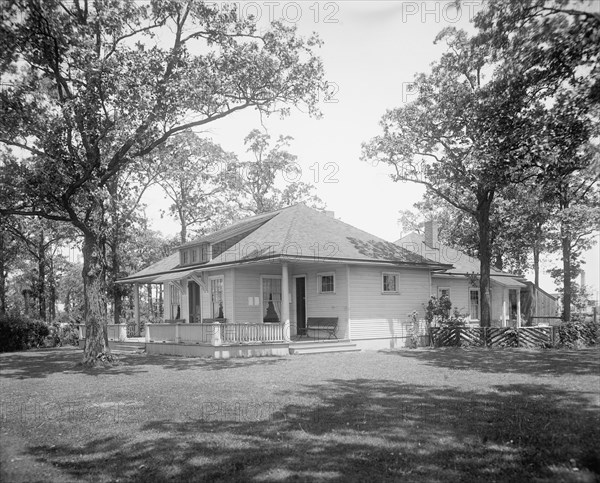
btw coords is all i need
(252, 333)
(216, 333)
(114, 331)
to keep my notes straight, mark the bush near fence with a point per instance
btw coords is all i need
(572, 335)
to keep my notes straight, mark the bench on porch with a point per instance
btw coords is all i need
(328, 324)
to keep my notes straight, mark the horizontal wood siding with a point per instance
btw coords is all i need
(459, 291)
(378, 315)
(247, 284)
(546, 305)
(320, 304)
(459, 295)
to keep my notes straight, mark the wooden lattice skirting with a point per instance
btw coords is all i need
(493, 336)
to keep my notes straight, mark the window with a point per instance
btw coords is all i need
(326, 282)
(271, 299)
(443, 292)
(174, 312)
(204, 253)
(216, 298)
(194, 254)
(184, 257)
(389, 283)
(474, 303)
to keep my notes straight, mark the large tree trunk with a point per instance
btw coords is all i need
(565, 241)
(117, 296)
(51, 291)
(536, 274)
(94, 293)
(2, 274)
(26, 302)
(566, 254)
(183, 223)
(41, 285)
(116, 289)
(483, 221)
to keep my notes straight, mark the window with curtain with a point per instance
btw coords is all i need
(216, 298)
(390, 283)
(326, 283)
(175, 301)
(271, 299)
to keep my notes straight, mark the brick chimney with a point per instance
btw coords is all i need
(431, 234)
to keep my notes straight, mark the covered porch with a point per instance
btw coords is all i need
(219, 340)
(506, 301)
(246, 310)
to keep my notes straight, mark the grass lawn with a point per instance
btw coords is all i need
(422, 415)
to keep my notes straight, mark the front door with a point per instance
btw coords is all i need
(194, 301)
(300, 305)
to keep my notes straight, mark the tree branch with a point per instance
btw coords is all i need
(435, 190)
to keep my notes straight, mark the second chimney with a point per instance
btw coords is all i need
(431, 234)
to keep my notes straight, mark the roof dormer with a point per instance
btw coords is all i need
(194, 254)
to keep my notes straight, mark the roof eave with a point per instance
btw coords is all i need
(359, 261)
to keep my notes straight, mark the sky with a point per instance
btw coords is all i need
(371, 52)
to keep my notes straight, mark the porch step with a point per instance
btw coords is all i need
(127, 346)
(322, 347)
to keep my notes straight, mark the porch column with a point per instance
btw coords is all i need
(136, 307)
(504, 297)
(285, 301)
(518, 307)
(184, 312)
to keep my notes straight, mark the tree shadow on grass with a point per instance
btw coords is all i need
(179, 363)
(355, 430)
(510, 361)
(42, 363)
(38, 363)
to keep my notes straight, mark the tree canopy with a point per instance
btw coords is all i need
(92, 86)
(511, 105)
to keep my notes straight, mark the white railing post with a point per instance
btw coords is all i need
(177, 338)
(147, 330)
(216, 334)
(122, 332)
(136, 307)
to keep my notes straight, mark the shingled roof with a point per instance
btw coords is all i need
(463, 264)
(297, 233)
(303, 233)
(148, 274)
(245, 225)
